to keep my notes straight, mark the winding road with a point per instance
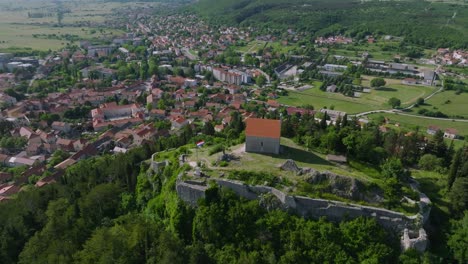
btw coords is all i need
(400, 111)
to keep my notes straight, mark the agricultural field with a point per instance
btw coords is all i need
(449, 103)
(23, 36)
(34, 24)
(375, 100)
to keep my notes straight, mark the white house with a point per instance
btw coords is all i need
(451, 133)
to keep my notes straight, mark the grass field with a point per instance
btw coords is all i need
(16, 35)
(408, 94)
(448, 103)
(411, 122)
(17, 29)
(256, 45)
(320, 99)
(376, 99)
(251, 47)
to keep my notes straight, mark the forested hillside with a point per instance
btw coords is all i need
(110, 210)
(114, 209)
(420, 22)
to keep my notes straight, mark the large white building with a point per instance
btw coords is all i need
(231, 76)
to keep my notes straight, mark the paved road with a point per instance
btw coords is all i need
(399, 112)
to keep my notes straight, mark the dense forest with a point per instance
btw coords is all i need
(423, 23)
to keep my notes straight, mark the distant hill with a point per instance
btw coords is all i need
(420, 22)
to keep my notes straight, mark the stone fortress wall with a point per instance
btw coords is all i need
(413, 235)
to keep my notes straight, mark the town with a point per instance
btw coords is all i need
(171, 79)
(181, 77)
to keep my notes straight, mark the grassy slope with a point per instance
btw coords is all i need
(411, 122)
(271, 163)
(449, 103)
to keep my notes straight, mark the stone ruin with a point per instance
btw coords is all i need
(271, 198)
(157, 166)
(411, 227)
(343, 186)
(418, 241)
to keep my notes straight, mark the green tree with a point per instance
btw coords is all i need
(459, 195)
(208, 129)
(420, 101)
(144, 68)
(394, 102)
(378, 82)
(437, 145)
(454, 167)
(393, 168)
(261, 80)
(55, 242)
(58, 157)
(102, 201)
(458, 241)
(430, 162)
(393, 172)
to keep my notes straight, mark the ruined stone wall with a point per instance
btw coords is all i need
(337, 211)
(316, 208)
(190, 193)
(307, 207)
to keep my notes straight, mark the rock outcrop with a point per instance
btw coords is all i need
(290, 165)
(343, 186)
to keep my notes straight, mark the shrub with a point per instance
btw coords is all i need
(215, 149)
(430, 162)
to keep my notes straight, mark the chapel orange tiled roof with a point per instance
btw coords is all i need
(257, 127)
